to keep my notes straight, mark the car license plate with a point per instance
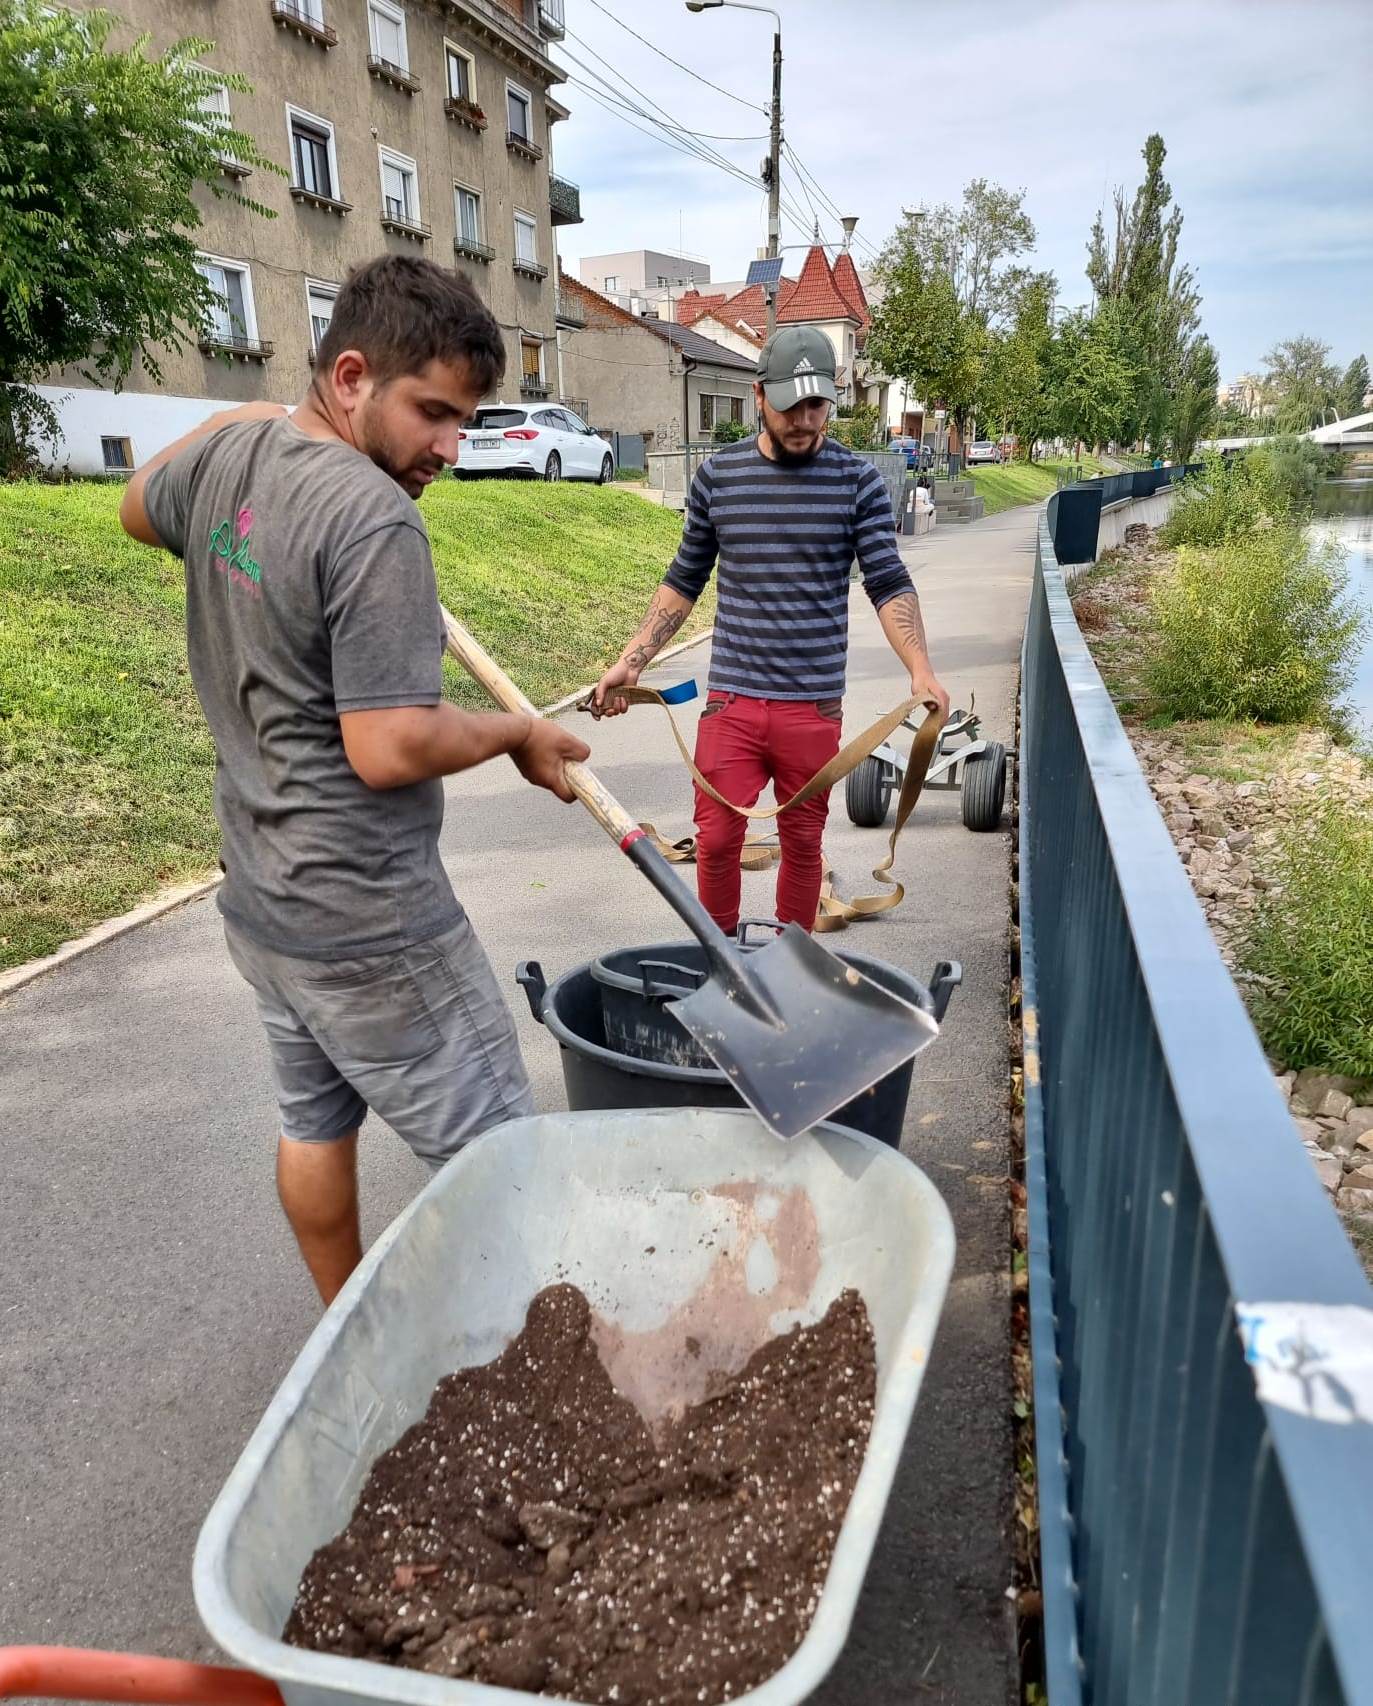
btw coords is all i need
(486, 444)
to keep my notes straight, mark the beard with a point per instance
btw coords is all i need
(794, 458)
(407, 475)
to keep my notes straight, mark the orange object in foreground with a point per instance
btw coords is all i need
(84, 1673)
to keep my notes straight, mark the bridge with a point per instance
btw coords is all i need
(1355, 432)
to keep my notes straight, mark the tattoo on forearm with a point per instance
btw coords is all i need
(656, 629)
(906, 620)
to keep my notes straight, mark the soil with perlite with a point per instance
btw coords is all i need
(531, 1531)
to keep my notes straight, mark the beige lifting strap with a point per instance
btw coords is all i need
(761, 851)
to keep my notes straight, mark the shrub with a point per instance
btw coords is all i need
(1309, 947)
(1292, 469)
(730, 432)
(1226, 500)
(629, 474)
(1257, 630)
(855, 426)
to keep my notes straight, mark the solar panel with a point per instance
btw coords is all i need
(768, 271)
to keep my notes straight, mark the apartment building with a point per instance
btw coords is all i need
(405, 126)
(644, 281)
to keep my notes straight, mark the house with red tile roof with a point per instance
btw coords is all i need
(656, 377)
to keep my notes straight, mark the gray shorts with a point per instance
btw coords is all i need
(421, 1036)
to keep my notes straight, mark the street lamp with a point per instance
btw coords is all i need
(774, 165)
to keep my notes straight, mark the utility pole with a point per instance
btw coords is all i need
(775, 172)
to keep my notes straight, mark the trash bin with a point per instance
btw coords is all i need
(665, 1070)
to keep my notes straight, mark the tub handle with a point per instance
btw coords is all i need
(771, 925)
(529, 975)
(944, 979)
(663, 988)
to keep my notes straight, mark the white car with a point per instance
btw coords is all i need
(541, 439)
(983, 450)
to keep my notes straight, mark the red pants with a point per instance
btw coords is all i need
(741, 744)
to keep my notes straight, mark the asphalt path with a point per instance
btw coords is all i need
(151, 1298)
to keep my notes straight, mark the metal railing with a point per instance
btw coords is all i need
(301, 17)
(1199, 1546)
(564, 200)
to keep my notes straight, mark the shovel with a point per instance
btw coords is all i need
(798, 1032)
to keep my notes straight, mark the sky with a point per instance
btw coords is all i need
(1266, 108)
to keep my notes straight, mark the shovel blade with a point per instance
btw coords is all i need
(834, 1033)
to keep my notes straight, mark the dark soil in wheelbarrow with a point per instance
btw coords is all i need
(531, 1532)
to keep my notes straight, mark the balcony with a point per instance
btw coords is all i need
(530, 386)
(569, 311)
(232, 168)
(237, 348)
(529, 269)
(521, 145)
(386, 71)
(465, 112)
(564, 201)
(312, 198)
(473, 250)
(397, 220)
(550, 16)
(304, 20)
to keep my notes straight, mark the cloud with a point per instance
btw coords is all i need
(1263, 104)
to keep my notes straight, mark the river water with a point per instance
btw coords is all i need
(1344, 511)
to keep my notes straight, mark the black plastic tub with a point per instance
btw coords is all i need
(598, 1076)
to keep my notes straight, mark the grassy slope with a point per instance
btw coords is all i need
(1016, 483)
(105, 761)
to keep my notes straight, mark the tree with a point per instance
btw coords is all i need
(1014, 396)
(1137, 269)
(972, 244)
(1301, 381)
(1092, 380)
(923, 334)
(1353, 388)
(1194, 397)
(101, 152)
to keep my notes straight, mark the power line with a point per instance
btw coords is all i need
(677, 62)
(659, 137)
(805, 176)
(679, 129)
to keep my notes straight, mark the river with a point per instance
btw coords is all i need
(1344, 511)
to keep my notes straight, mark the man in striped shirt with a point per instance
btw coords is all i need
(785, 514)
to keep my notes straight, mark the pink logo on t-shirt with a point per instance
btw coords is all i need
(245, 521)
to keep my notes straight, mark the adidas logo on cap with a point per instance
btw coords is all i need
(805, 365)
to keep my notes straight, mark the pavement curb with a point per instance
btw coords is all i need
(184, 893)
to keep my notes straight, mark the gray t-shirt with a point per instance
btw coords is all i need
(309, 591)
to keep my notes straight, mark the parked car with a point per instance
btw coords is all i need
(540, 441)
(983, 450)
(917, 456)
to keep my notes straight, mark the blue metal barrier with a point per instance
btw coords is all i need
(1199, 1546)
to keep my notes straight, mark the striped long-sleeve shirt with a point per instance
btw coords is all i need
(786, 537)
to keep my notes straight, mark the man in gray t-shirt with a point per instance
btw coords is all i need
(316, 641)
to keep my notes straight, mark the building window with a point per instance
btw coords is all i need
(461, 82)
(400, 196)
(214, 105)
(118, 454)
(386, 28)
(231, 320)
(531, 364)
(718, 408)
(517, 110)
(662, 282)
(319, 300)
(526, 239)
(468, 208)
(610, 283)
(314, 164)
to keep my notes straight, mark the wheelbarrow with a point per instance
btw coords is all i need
(575, 1197)
(963, 761)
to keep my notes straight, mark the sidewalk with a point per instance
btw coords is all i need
(150, 1295)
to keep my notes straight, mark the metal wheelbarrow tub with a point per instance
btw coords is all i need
(749, 1236)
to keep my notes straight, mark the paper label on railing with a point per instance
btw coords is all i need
(1313, 1358)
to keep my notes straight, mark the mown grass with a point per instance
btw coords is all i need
(105, 760)
(1014, 483)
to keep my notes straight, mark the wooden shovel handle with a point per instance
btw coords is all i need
(589, 789)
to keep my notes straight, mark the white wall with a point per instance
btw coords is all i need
(149, 420)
